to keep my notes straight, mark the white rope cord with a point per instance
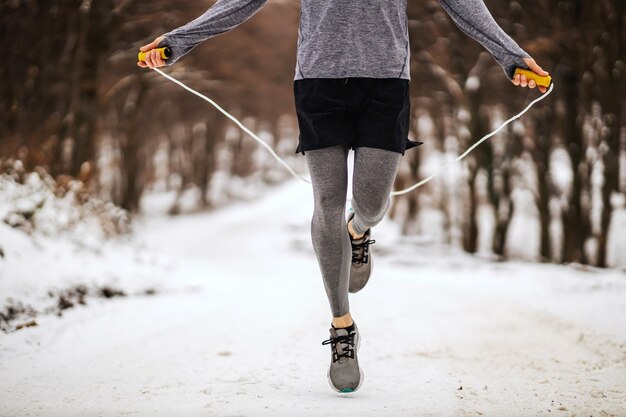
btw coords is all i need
(394, 193)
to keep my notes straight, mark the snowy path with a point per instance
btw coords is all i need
(240, 333)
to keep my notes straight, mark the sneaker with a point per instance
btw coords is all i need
(344, 373)
(362, 264)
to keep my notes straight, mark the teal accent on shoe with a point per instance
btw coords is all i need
(347, 390)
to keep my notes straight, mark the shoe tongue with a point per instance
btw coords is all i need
(341, 332)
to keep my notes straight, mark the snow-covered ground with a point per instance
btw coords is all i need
(238, 331)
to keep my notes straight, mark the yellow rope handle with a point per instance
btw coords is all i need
(540, 80)
(165, 54)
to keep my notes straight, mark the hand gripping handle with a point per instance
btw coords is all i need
(165, 54)
(540, 80)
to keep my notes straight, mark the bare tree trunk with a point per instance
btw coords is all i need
(483, 157)
(93, 45)
(575, 218)
(541, 156)
(614, 110)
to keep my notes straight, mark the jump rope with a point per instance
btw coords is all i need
(540, 80)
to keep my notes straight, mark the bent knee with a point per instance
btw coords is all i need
(371, 209)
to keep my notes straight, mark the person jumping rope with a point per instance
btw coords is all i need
(351, 91)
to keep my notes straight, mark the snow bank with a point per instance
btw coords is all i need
(59, 246)
(37, 204)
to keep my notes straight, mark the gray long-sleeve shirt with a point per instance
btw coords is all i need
(352, 38)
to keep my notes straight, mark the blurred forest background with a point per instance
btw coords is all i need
(550, 188)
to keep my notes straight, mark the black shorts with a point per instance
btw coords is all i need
(372, 112)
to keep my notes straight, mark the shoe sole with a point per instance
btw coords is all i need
(348, 390)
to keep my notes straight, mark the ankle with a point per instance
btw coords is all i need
(354, 234)
(343, 321)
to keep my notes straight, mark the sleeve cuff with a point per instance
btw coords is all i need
(176, 51)
(510, 66)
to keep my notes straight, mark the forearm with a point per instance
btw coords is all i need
(223, 16)
(474, 19)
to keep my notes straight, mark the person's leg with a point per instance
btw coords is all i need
(374, 173)
(328, 168)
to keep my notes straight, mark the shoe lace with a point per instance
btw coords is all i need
(342, 346)
(360, 251)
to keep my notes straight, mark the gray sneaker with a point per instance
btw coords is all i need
(362, 264)
(344, 373)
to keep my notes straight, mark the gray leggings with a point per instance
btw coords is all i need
(373, 176)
